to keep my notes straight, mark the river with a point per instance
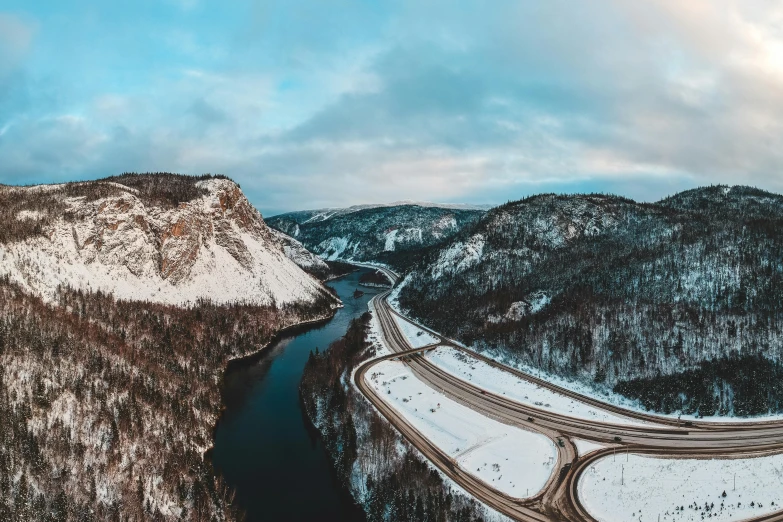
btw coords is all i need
(263, 447)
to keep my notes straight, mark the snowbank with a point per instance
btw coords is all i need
(583, 447)
(512, 460)
(415, 335)
(503, 383)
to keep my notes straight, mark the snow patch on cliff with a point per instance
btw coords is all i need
(215, 247)
(459, 257)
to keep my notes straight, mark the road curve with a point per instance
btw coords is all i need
(559, 500)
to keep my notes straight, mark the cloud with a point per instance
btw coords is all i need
(207, 113)
(16, 36)
(310, 105)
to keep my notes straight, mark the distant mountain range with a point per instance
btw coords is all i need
(384, 233)
(323, 214)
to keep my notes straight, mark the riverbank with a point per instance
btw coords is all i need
(261, 445)
(388, 478)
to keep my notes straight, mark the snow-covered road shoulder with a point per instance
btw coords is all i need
(500, 382)
(511, 460)
(415, 335)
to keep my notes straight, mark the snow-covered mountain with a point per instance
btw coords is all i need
(167, 239)
(306, 260)
(323, 214)
(612, 290)
(386, 233)
(98, 364)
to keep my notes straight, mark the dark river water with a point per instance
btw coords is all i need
(263, 448)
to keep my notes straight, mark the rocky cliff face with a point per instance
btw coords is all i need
(114, 236)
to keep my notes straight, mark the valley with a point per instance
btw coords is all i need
(554, 358)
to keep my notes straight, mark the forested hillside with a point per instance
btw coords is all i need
(107, 405)
(393, 234)
(387, 478)
(607, 289)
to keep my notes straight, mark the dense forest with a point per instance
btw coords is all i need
(386, 476)
(107, 407)
(730, 385)
(608, 290)
(393, 234)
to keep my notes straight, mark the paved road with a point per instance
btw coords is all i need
(559, 500)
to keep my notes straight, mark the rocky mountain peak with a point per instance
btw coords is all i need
(120, 238)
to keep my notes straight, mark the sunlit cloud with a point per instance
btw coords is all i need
(320, 104)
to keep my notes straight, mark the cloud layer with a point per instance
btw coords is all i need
(329, 103)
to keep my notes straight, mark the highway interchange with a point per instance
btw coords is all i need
(559, 499)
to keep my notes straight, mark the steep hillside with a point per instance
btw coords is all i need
(109, 391)
(309, 262)
(385, 233)
(611, 290)
(163, 239)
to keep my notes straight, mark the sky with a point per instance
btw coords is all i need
(322, 103)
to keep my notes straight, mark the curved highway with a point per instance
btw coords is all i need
(559, 499)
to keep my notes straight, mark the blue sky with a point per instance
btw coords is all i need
(337, 102)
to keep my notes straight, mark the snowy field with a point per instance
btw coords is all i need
(512, 460)
(504, 383)
(681, 489)
(583, 447)
(415, 335)
(610, 397)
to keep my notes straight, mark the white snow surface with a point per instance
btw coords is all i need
(504, 383)
(605, 395)
(391, 237)
(583, 447)
(217, 247)
(415, 335)
(31, 215)
(509, 459)
(333, 248)
(642, 488)
(459, 257)
(532, 304)
(296, 252)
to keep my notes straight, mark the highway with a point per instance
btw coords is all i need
(559, 499)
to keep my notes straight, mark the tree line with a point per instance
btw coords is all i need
(395, 484)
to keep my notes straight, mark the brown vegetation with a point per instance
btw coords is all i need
(106, 407)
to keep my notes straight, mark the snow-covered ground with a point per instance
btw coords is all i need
(415, 335)
(583, 447)
(642, 488)
(512, 460)
(609, 396)
(214, 247)
(504, 383)
(375, 335)
(459, 257)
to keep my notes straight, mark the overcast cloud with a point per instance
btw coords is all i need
(337, 102)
